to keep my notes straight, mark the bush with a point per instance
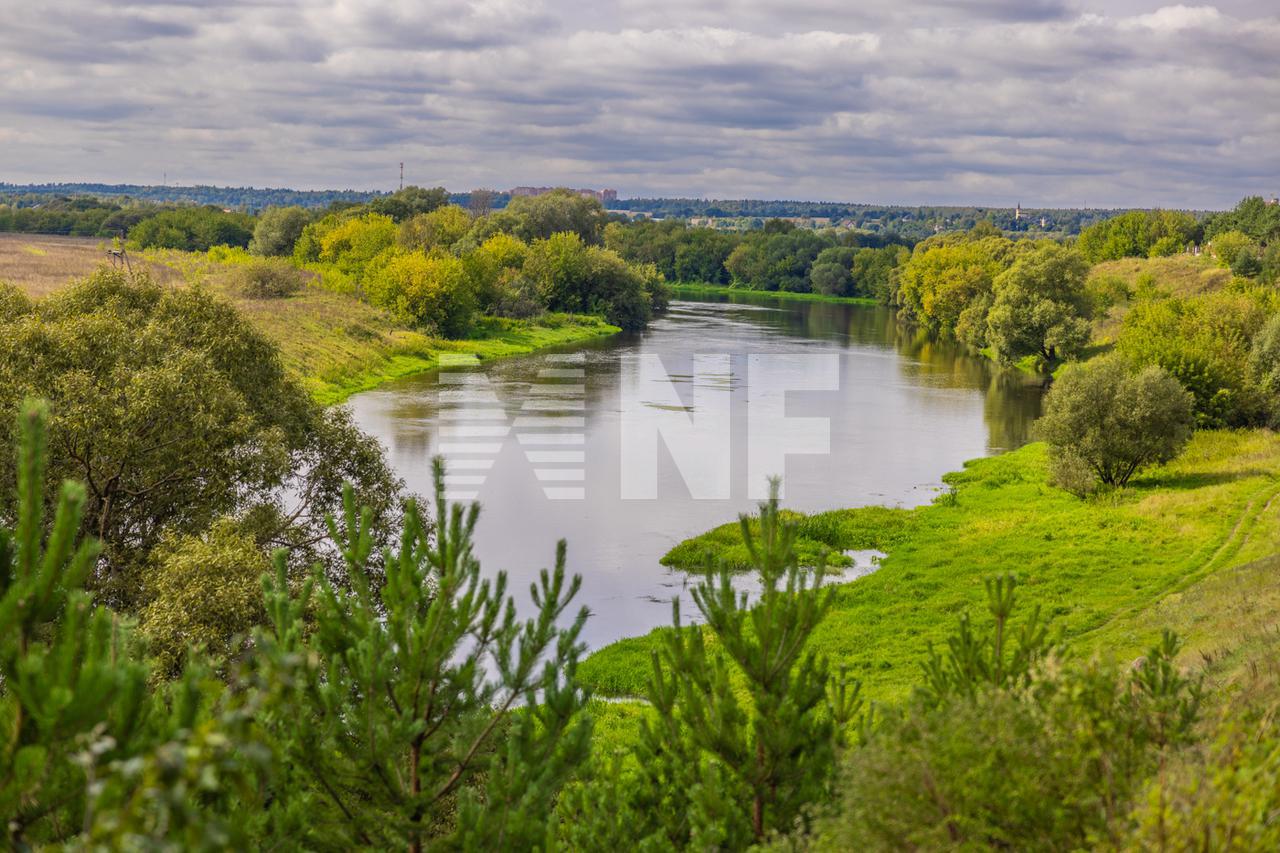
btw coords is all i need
(1138, 234)
(409, 202)
(1247, 264)
(278, 229)
(945, 276)
(353, 244)
(1264, 365)
(1166, 247)
(1203, 341)
(1228, 246)
(831, 278)
(1226, 801)
(515, 296)
(1107, 291)
(270, 278)
(539, 217)
(1113, 421)
(490, 267)
(1011, 746)
(434, 292)
(623, 293)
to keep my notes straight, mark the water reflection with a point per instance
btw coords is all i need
(907, 410)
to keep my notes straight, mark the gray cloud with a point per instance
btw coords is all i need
(1043, 102)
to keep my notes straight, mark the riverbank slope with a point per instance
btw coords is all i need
(1100, 569)
(333, 344)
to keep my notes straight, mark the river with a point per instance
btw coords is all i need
(624, 454)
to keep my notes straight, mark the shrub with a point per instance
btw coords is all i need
(561, 210)
(1114, 421)
(515, 296)
(490, 265)
(558, 268)
(1107, 291)
(1264, 364)
(277, 230)
(1226, 800)
(831, 278)
(1166, 246)
(1247, 264)
(434, 292)
(270, 278)
(1203, 341)
(1228, 246)
(944, 276)
(13, 302)
(353, 244)
(1011, 746)
(1138, 234)
(409, 202)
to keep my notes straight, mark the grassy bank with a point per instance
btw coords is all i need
(702, 291)
(334, 344)
(1100, 568)
(338, 345)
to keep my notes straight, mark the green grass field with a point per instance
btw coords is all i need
(1100, 569)
(338, 345)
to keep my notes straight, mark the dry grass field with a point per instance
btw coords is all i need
(1178, 275)
(42, 263)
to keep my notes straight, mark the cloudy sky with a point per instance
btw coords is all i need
(1043, 102)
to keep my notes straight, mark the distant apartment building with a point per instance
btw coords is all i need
(602, 196)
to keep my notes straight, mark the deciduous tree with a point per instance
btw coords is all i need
(1114, 421)
(1040, 306)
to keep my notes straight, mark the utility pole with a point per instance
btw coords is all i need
(402, 175)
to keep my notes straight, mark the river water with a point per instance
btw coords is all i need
(628, 445)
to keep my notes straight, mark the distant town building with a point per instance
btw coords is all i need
(1273, 200)
(602, 196)
(1017, 212)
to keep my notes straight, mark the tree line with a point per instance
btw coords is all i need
(439, 265)
(778, 257)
